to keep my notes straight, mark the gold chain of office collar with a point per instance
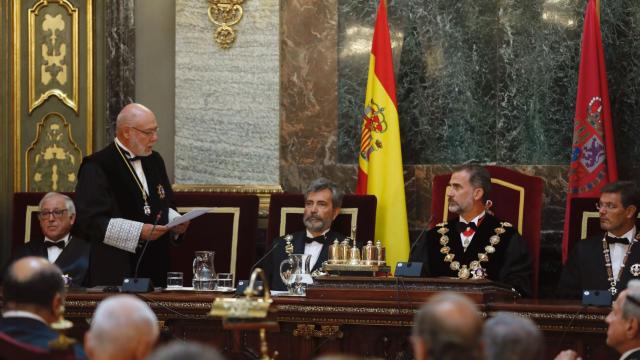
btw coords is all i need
(464, 271)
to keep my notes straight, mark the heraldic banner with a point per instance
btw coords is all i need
(380, 158)
(593, 154)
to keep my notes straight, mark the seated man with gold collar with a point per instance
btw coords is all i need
(477, 245)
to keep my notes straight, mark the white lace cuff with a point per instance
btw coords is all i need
(123, 234)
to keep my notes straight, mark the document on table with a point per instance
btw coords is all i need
(186, 217)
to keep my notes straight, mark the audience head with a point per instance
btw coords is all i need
(322, 202)
(507, 336)
(181, 350)
(57, 215)
(137, 129)
(469, 189)
(618, 206)
(448, 326)
(123, 327)
(623, 332)
(34, 285)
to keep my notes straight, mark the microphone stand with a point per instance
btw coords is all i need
(141, 285)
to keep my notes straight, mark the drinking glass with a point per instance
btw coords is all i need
(225, 282)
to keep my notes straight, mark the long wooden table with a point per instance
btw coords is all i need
(368, 320)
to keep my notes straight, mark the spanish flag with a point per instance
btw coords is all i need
(380, 158)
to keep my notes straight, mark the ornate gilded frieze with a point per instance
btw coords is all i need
(53, 53)
(53, 157)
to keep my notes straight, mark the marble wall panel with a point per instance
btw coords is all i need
(227, 101)
(120, 63)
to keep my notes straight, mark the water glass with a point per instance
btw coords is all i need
(225, 282)
(174, 280)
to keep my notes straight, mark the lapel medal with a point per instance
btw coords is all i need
(635, 270)
(161, 193)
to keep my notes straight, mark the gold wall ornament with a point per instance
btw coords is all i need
(53, 53)
(53, 158)
(225, 13)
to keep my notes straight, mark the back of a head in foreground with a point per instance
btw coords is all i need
(448, 326)
(508, 336)
(123, 326)
(185, 350)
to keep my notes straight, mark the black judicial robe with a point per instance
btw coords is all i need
(271, 264)
(509, 264)
(73, 260)
(106, 189)
(585, 269)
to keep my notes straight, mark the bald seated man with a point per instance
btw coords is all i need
(123, 191)
(33, 291)
(448, 326)
(123, 327)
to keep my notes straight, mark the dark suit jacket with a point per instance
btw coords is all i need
(73, 260)
(106, 189)
(585, 269)
(634, 355)
(35, 333)
(510, 264)
(272, 263)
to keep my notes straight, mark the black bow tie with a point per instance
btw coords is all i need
(134, 158)
(464, 226)
(59, 244)
(617, 240)
(319, 239)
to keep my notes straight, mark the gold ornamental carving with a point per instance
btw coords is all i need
(309, 331)
(225, 14)
(53, 53)
(53, 158)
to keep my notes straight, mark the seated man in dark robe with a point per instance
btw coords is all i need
(321, 206)
(70, 253)
(33, 291)
(477, 244)
(606, 261)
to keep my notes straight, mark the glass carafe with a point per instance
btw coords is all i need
(296, 273)
(204, 274)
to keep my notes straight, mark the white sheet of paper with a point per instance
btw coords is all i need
(186, 217)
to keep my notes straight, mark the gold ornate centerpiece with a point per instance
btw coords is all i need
(248, 313)
(225, 14)
(346, 259)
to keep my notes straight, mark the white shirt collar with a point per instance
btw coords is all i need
(128, 153)
(474, 220)
(22, 314)
(64, 238)
(323, 233)
(629, 235)
(628, 352)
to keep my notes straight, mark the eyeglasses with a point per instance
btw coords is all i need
(606, 206)
(147, 132)
(57, 214)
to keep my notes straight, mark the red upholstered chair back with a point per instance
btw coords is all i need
(229, 229)
(25, 224)
(286, 209)
(516, 197)
(11, 349)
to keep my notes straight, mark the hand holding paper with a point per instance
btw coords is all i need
(186, 217)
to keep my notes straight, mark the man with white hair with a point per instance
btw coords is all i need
(123, 327)
(69, 252)
(507, 336)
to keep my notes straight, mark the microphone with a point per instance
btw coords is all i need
(415, 242)
(273, 247)
(141, 285)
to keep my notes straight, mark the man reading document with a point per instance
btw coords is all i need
(124, 199)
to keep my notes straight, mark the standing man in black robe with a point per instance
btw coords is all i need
(477, 244)
(124, 197)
